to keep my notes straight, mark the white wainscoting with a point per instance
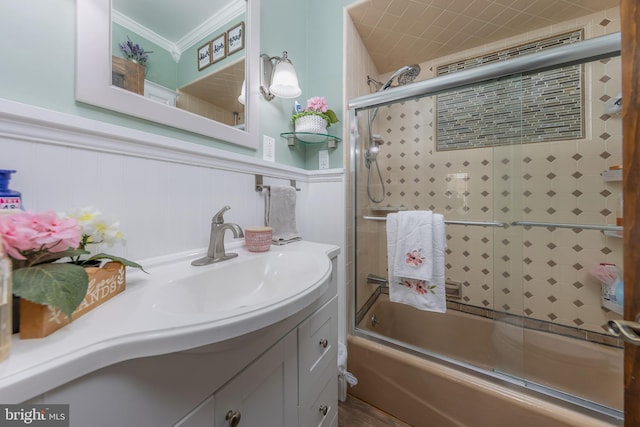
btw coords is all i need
(164, 191)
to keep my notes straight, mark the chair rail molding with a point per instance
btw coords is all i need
(39, 125)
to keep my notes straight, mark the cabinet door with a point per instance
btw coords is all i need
(265, 394)
(201, 416)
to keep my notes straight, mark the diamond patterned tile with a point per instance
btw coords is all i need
(551, 181)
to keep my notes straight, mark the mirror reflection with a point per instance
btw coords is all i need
(191, 57)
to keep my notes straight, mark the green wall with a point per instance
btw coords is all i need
(37, 46)
(311, 33)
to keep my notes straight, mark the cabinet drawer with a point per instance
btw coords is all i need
(323, 410)
(317, 348)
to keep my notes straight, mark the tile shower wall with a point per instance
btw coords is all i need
(540, 273)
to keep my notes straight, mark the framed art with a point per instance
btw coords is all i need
(235, 38)
(219, 48)
(204, 56)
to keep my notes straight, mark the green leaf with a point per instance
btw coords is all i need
(117, 259)
(75, 252)
(329, 116)
(63, 286)
(48, 257)
(332, 116)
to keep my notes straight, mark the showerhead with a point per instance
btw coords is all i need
(409, 75)
(405, 74)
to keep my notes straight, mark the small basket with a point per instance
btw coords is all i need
(258, 239)
(311, 124)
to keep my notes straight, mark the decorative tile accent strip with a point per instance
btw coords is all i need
(538, 325)
(545, 106)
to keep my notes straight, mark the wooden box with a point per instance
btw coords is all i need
(127, 74)
(38, 321)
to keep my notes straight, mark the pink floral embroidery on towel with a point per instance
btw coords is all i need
(408, 283)
(419, 286)
(414, 257)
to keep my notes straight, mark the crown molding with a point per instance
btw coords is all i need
(215, 23)
(228, 13)
(143, 31)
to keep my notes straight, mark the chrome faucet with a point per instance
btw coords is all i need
(216, 251)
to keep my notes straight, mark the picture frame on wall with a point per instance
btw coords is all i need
(204, 56)
(235, 38)
(219, 48)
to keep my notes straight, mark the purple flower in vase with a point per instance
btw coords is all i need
(134, 51)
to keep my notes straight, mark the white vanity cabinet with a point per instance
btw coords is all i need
(264, 394)
(294, 383)
(281, 375)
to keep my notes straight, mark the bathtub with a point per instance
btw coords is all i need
(425, 391)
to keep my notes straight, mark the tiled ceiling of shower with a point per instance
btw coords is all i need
(400, 32)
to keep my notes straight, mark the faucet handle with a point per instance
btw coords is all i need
(218, 217)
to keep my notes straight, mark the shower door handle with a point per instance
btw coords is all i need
(626, 329)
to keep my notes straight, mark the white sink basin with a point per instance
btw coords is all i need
(243, 284)
(176, 307)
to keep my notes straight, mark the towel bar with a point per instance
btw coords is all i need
(613, 228)
(260, 186)
(447, 221)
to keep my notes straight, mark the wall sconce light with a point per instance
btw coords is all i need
(278, 79)
(241, 98)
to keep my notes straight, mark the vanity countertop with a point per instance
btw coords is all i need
(133, 324)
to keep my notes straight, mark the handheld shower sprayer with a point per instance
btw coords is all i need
(403, 75)
(374, 148)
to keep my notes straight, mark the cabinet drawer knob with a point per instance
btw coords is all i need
(233, 417)
(323, 410)
(324, 343)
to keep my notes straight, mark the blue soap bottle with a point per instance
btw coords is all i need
(9, 199)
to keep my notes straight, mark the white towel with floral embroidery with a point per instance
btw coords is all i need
(414, 245)
(416, 242)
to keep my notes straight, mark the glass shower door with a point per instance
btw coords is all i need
(529, 219)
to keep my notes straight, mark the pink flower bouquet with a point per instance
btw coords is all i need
(34, 242)
(317, 105)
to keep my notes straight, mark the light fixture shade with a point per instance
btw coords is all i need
(284, 83)
(241, 98)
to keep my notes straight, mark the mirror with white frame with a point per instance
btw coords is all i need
(96, 49)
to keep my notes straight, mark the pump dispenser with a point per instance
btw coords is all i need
(9, 199)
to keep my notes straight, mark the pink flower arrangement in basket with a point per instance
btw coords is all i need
(317, 105)
(34, 242)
